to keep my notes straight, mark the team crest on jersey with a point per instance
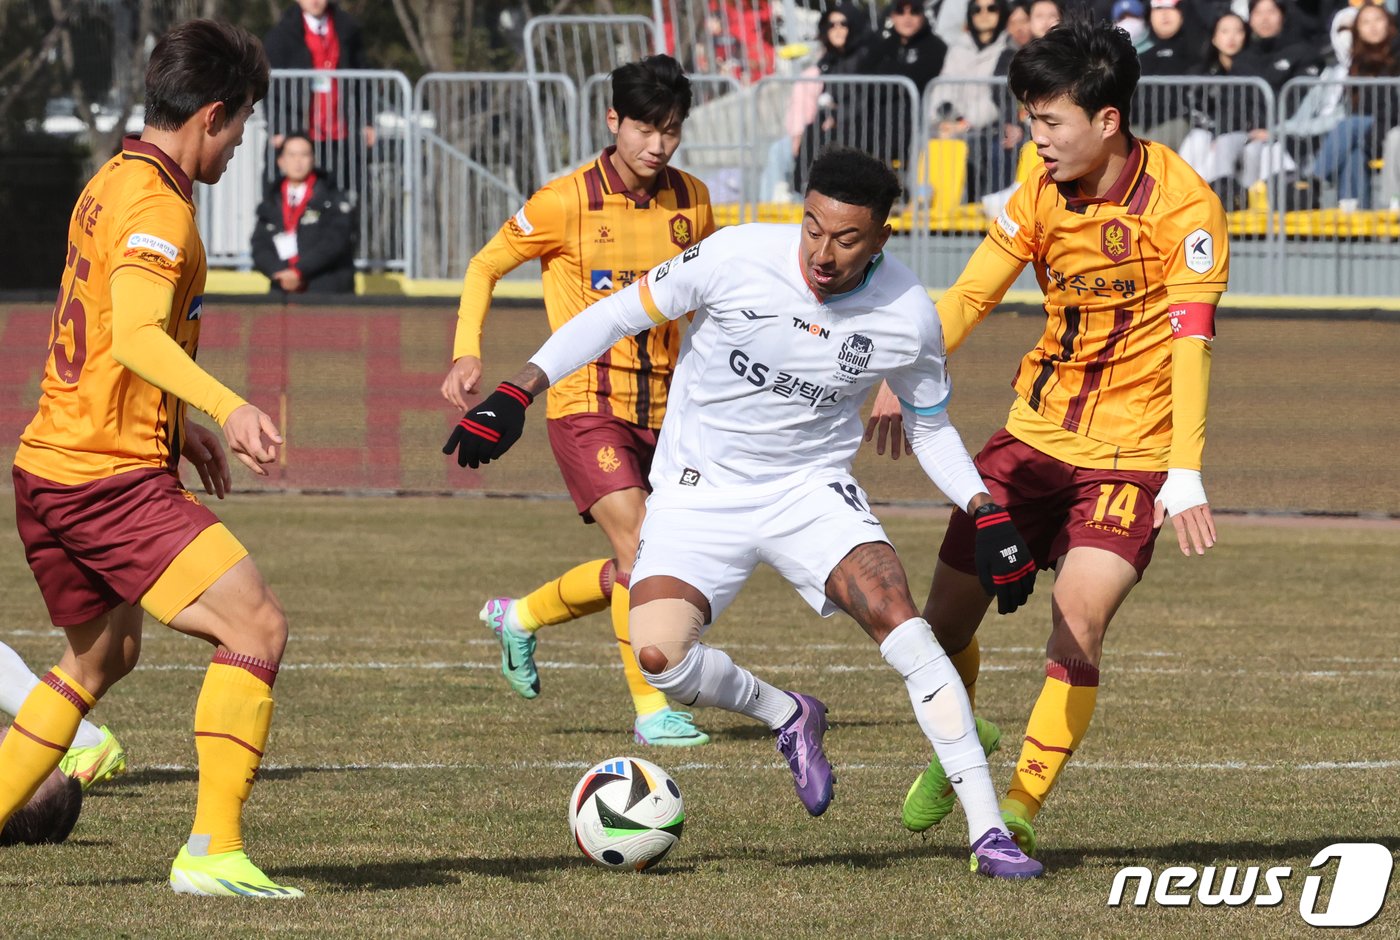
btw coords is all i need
(680, 231)
(854, 357)
(1115, 240)
(607, 459)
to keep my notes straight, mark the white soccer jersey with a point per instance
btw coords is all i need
(771, 377)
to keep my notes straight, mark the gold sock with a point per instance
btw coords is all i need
(646, 699)
(1058, 723)
(231, 723)
(580, 591)
(968, 663)
(39, 737)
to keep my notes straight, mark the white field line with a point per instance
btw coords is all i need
(731, 766)
(781, 668)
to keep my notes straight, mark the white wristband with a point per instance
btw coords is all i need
(1182, 491)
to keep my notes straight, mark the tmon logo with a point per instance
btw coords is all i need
(1359, 886)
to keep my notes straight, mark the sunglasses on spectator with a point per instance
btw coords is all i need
(985, 9)
(907, 11)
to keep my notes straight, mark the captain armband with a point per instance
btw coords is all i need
(1192, 321)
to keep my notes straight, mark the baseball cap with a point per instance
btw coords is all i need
(1127, 8)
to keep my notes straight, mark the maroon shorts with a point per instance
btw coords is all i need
(94, 545)
(600, 454)
(1057, 506)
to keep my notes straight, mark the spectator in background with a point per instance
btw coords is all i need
(1041, 16)
(1174, 51)
(911, 50)
(304, 236)
(319, 35)
(738, 41)
(1129, 16)
(1018, 32)
(818, 115)
(970, 110)
(1229, 119)
(1374, 110)
(1278, 48)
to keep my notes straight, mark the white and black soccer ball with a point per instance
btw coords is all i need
(626, 813)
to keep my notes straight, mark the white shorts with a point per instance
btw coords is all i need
(803, 533)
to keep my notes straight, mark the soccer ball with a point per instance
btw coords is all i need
(626, 813)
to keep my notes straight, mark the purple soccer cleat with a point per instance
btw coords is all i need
(997, 856)
(800, 743)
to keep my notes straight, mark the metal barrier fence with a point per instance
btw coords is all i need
(486, 142)
(1312, 178)
(581, 46)
(361, 129)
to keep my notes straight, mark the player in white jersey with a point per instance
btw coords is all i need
(794, 325)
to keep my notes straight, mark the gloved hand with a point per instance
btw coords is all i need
(487, 431)
(1004, 563)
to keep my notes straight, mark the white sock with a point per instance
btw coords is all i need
(707, 677)
(941, 706)
(17, 680)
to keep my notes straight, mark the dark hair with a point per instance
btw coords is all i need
(855, 178)
(1093, 63)
(1003, 10)
(198, 63)
(1211, 55)
(653, 91)
(1372, 60)
(47, 820)
(295, 135)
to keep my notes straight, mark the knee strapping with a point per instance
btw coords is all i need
(669, 625)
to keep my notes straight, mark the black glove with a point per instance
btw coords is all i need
(1004, 563)
(487, 431)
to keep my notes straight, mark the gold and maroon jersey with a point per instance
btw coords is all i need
(96, 418)
(1113, 270)
(593, 237)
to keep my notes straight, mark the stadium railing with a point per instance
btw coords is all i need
(486, 141)
(1311, 179)
(362, 129)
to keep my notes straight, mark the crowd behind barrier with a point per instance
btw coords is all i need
(1310, 174)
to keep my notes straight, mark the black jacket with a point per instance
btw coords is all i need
(325, 238)
(286, 41)
(921, 60)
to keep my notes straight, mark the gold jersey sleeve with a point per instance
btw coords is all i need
(96, 418)
(593, 237)
(1097, 388)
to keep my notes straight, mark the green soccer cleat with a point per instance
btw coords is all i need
(517, 649)
(1021, 831)
(668, 728)
(931, 797)
(90, 765)
(226, 875)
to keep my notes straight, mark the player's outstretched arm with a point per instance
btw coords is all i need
(1183, 495)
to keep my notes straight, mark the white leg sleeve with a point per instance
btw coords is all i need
(941, 707)
(707, 677)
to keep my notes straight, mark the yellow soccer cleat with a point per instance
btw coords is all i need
(90, 765)
(226, 875)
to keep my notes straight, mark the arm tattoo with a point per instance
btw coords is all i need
(531, 378)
